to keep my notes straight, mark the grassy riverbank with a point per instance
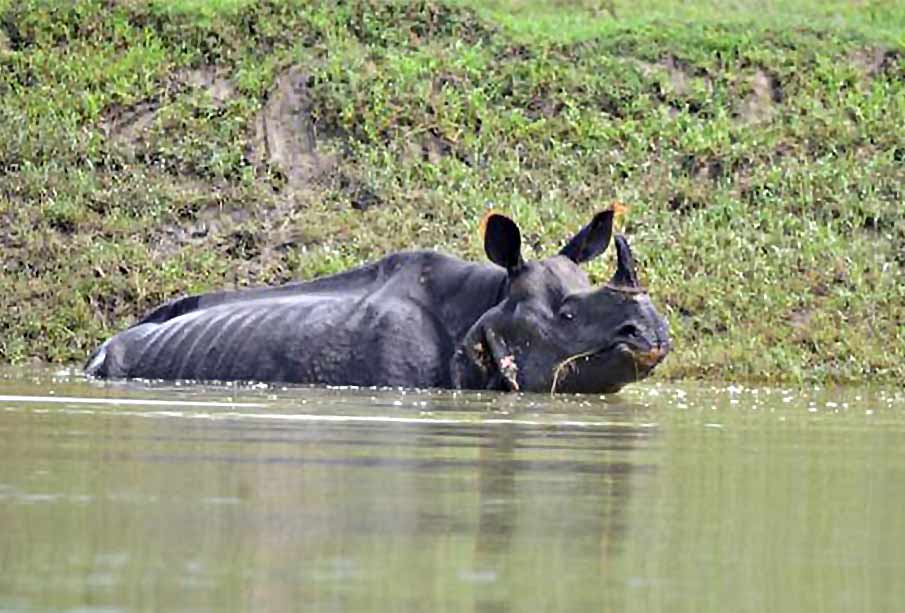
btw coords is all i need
(149, 149)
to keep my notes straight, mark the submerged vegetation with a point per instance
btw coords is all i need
(151, 149)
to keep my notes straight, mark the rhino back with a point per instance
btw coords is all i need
(359, 281)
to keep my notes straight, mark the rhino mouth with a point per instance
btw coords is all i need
(606, 369)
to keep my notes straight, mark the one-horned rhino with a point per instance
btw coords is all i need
(416, 319)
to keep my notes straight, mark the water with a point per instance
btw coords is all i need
(131, 497)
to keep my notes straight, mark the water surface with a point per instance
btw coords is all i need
(153, 497)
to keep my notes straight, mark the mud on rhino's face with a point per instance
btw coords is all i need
(554, 331)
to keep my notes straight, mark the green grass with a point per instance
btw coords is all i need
(572, 20)
(759, 146)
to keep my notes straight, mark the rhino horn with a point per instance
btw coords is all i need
(625, 275)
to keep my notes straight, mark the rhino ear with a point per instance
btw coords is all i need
(503, 242)
(591, 240)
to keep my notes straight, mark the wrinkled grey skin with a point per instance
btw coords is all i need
(415, 319)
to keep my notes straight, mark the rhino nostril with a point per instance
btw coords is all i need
(628, 330)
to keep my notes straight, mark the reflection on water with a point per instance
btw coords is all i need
(132, 496)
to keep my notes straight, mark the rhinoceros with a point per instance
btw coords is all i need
(416, 319)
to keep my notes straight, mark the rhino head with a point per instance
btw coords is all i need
(553, 331)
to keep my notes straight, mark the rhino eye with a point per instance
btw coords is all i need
(567, 315)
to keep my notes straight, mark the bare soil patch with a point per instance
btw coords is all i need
(875, 61)
(209, 79)
(128, 126)
(760, 103)
(285, 134)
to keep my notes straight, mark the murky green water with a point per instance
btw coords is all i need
(121, 497)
